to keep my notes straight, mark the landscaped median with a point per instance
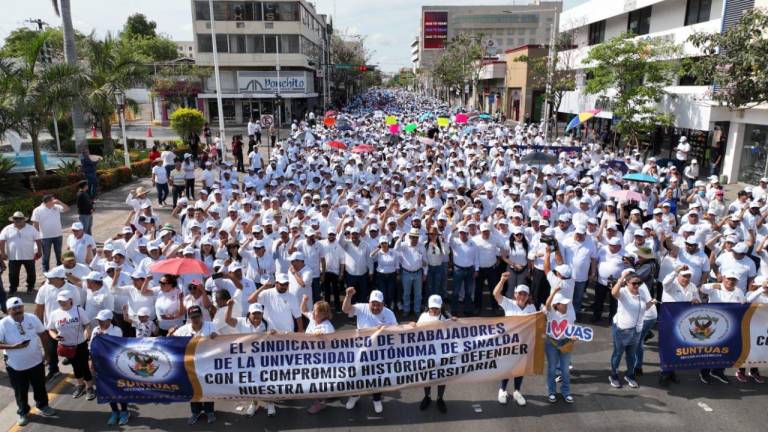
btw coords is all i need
(64, 187)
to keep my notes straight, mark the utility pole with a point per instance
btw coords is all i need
(222, 134)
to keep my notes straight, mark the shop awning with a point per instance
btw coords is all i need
(257, 95)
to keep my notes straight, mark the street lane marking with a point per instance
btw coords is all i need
(705, 407)
(52, 394)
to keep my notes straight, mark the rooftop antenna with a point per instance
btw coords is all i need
(40, 23)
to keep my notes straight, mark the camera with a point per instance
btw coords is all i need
(215, 276)
(548, 240)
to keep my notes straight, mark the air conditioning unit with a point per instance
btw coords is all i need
(269, 25)
(240, 25)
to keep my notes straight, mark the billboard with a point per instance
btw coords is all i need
(435, 29)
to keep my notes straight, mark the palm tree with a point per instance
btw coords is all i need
(30, 91)
(70, 57)
(111, 66)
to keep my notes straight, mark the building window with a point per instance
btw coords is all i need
(281, 11)
(597, 32)
(236, 44)
(697, 11)
(270, 44)
(639, 22)
(202, 12)
(229, 11)
(204, 44)
(289, 44)
(254, 44)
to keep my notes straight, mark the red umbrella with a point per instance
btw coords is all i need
(180, 266)
(363, 148)
(337, 145)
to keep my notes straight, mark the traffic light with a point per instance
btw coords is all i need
(362, 68)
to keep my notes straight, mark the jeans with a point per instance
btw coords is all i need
(201, 407)
(578, 295)
(21, 380)
(53, 357)
(87, 221)
(360, 283)
(557, 360)
(387, 284)
(47, 243)
(515, 278)
(640, 351)
(162, 192)
(486, 277)
(14, 270)
(93, 184)
(463, 277)
(178, 192)
(331, 288)
(123, 407)
(601, 291)
(190, 188)
(539, 288)
(624, 341)
(316, 294)
(436, 280)
(411, 284)
(2, 297)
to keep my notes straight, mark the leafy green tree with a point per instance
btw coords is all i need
(138, 25)
(187, 121)
(350, 50)
(635, 71)
(112, 67)
(31, 91)
(152, 49)
(736, 60)
(460, 62)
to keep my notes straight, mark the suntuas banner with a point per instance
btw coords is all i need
(301, 366)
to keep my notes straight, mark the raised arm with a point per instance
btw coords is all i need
(499, 288)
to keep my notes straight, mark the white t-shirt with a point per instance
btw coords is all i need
(168, 304)
(244, 325)
(567, 286)
(47, 294)
(161, 176)
(280, 309)
(48, 220)
(11, 333)
(511, 308)
(553, 315)
(70, 324)
(80, 246)
(366, 318)
(325, 327)
(682, 151)
(20, 243)
(111, 330)
(205, 331)
(631, 309)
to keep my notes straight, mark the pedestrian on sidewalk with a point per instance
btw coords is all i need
(178, 180)
(21, 336)
(160, 182)
(17, 245)
(237, 152)
(88, 168)
(84, 206)
(189, 175)
(46, 218)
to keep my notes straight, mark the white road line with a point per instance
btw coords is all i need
(705, 407)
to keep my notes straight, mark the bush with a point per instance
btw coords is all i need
(186, 121)
(47, 181)
(142, 168)
(134, 143)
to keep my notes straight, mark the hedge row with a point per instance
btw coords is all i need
(65, 187)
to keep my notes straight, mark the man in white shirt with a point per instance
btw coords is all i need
(332, 269)
(81, 244)
(358, 265)
(487, 278)
(465, 267)
(20, 245)
(46, 218)
(414, 263)
(21, 336)
(369, 315)
(46, 302)
(281, 309)
(160, 181)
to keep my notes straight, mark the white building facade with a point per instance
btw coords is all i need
(729, 143)
(264, 48)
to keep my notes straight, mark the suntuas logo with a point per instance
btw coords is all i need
(143, 363)
(704, 326)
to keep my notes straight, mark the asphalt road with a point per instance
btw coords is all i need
(687, 406)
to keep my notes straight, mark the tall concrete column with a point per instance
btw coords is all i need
(732, 159)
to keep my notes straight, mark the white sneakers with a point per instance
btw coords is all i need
(518, 397)
(271, 411)
(503, 395)
(352, 401)
(251, 410)
(378, 407)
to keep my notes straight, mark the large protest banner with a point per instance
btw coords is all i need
(713, 335)
(300, 366)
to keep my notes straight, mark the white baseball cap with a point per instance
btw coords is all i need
(435, 301)
(522, 288)
(255, 308)
(104, 315)
(376, 296)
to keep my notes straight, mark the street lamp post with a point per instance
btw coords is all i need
(218, 84)
(120, 100)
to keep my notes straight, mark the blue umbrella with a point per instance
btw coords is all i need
(467, 130)
(640, 177)
(425, 116)
(485, 116)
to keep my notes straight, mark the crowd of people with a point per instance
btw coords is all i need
(439, 223)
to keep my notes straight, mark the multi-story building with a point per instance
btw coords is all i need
(185, 49)
(415, 53)
(743, 134)
(501, 27)
(273, 58)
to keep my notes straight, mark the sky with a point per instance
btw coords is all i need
(388, 26)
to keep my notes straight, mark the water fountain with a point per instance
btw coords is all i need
(25, 160)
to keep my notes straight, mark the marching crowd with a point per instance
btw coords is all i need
(439, 223)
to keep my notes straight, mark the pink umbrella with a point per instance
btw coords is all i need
(180, 266)
(461, 118)
(625, 195)
(363, 148)
(337, 145)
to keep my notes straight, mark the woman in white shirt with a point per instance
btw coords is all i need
(434, 313)
(521, 305)
(319, 324)
(436, 253)
(387, 262)
(627, 324)
(196, 327)
(120, 413)
(169, 305)
(558, 346)
(517, 260)
(68, 325)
